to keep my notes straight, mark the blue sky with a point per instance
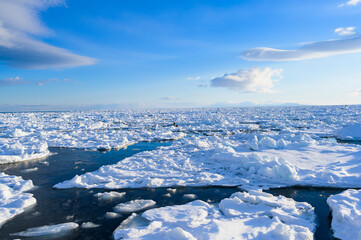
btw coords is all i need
(123, 54)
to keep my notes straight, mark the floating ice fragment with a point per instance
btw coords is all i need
(134, 206)
(108, 196)
(89, 225)
(58, 229)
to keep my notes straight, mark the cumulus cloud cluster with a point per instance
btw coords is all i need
(351, 3)
(345, 31)
(20, 26)
(254, 80)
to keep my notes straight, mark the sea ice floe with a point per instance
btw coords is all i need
(346, 214)
(13, 198)
(252, 215)
(228, 161)
(111, 215)
(58, 229)
(89, 225)
(17, 151)
(134, 206)
(108, 196)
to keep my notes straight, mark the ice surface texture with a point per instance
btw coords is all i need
(253, 215)
(346, 214)
(13, 199)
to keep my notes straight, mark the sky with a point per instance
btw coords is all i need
(72, 54)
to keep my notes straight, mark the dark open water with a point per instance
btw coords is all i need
(79, 205)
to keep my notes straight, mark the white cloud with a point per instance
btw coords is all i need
(19, 24)
(13, 81)
(42, 83)
(307, 51)
(355, 92)
(253, 80)
(193, 78)
(168, 98)
(345, 31)
(350, 3)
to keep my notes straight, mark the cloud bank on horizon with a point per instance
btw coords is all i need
(254, 80)
(18, 46)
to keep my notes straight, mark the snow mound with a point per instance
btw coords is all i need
(346, 214)
(13, 199)
(134, 206)
(58, 229)
(352, 132)
(253, 215)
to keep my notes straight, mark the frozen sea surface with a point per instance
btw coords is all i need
(252, 148)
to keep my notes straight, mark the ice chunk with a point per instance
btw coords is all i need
(253, 215)
(190, 196)
(13, 199)
(352, 132)
(108, 196)
(89, 225)
(346, 214)
(110, 215)
(134, 206)
(58, 229)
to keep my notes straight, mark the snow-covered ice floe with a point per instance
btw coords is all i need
(13, 198)
(243, 159)
(252, 215)
(346, 214)
(58, 229)
(20, 150)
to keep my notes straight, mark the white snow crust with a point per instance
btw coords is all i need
(13, 198)
(252, 215)
(46, 230)
(346, 214)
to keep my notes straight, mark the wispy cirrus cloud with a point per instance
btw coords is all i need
(19, 25)
(254, 80)
(193, 78)
(42, 83)
(13, 81)
(355, 92)
(308, 51)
